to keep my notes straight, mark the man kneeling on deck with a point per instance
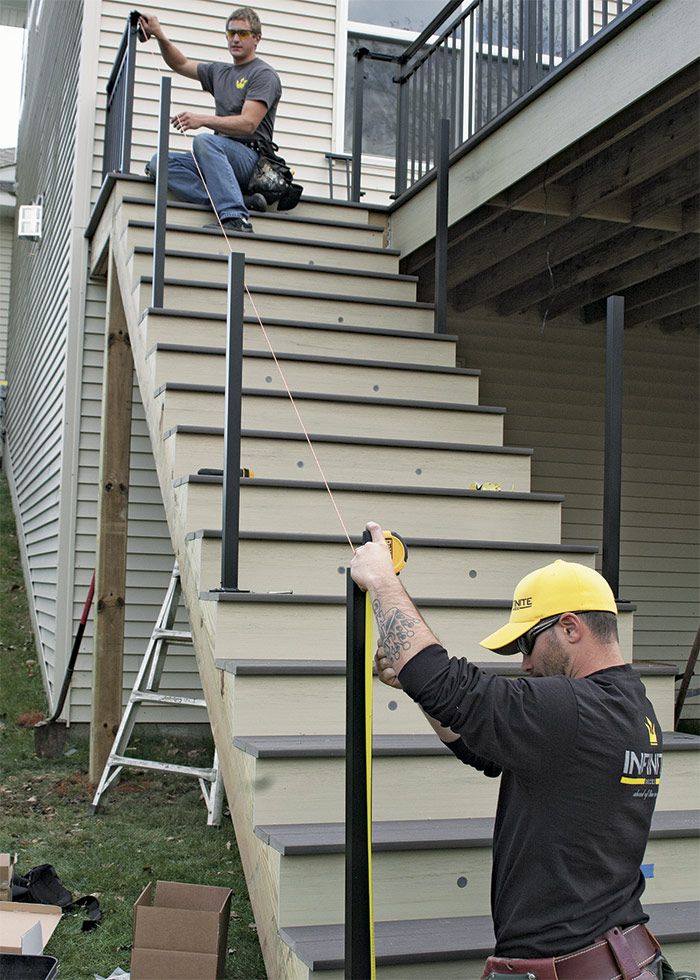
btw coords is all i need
(246, 95)
(578, 748)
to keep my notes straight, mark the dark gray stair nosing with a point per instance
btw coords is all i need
(421, 835)
(424, 335)
(333, 746)
(311, 242)
(337, 668)
(295, 293)
(466, 544)
(317, 359)
(426, 602)
(264, 215)
(273, 264)
(380, 488)
(401, 942)
(457, 447)
(329, 397)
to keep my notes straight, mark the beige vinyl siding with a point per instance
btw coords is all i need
(150, 555)
(551, 379)
(39, 324)
(7, 231)
(298, 40)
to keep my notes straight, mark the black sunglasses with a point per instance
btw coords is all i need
(526, 642)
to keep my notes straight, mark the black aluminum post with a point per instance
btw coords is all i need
(442, 193)
(358, 950)
(232, 424)
(529, 41)
(161, 196)
(612, 476)
(357, 122)
(400, 177)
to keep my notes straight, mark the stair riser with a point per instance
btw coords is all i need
(293, 228)
(337, 379)
(289, 460)
(436, 883)
(281, 705)
(414, 788)
(311, 511)
(298, 339)
(281, 631)
(256, 247)
(319, 569)
(358, 419)
(306, 278)
(313, 309)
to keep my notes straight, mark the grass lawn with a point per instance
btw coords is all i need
(153, 827)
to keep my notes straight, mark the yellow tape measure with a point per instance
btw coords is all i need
(399, 557)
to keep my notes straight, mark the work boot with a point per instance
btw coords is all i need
(232, 224)
(255, 202)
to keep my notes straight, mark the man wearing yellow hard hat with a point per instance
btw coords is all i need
(578, 748)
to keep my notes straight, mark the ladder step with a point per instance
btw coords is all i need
(166, 699)
(124, 760)
(174, 636)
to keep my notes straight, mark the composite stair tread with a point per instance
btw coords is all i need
(411, 542)
(315, 242)
(276, 264)
(376, 488)
(316, 359)
(463, 447)
(333, 746)
(330, 397)
(405, 304)
(430, 940)
(336, 668)
(400, 835)
(355, 328)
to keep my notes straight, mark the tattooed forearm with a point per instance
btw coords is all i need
(395, 630)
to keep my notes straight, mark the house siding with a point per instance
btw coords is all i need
(551, 379)
(37, 342)
(7, 231)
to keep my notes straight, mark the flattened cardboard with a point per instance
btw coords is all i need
(180, 931)
(26, 928)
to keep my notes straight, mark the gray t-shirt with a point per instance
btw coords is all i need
(232, 85)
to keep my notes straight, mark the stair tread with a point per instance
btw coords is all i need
(329, 396)
(429, 940)
(317, 359)
(424, 335)
(333, 746)
(407, 304)
(457, 447)
(400, 835)
(411, 542)
(333, 668)
(275, 264)
(315, 242)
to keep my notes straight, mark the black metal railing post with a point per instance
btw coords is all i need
(358, 944)
(400, 176)
(612, 476)
(357, 122)
(230, 521)
(157, 285)
(441, 218)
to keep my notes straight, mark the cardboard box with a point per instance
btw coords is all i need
(26, 928)
(180, 932)
(7, 866)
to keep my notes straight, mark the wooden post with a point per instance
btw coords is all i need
(112, 526)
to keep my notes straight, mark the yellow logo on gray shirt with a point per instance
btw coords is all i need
(241, 82)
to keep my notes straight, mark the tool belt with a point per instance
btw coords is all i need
(617, 954)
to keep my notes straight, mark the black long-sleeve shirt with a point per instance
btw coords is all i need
(580, 761)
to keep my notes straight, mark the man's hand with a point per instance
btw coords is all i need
(151, 26)
(188, 120)
(371, 563)
(385, 669)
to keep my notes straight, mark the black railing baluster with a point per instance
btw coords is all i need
(357, 118)
(499, 58)
(441, 218)
(462, 54)
(564, 29)
(471, 55)
(489, 62)
(552, 26)
(157, 284)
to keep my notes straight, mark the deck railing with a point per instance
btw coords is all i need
(120, 103)
(470, 66)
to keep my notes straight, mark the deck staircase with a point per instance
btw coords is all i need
(401, 436)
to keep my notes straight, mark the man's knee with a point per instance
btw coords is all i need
(204, 143)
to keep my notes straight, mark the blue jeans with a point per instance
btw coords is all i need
(226, 165)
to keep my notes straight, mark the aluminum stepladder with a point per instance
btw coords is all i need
(145, 691)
